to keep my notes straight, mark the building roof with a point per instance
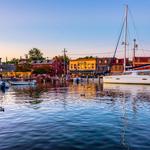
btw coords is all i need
(83, 59)
(40, 62)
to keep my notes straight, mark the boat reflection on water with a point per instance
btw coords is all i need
(132, 93)
(33, 95)
(131, 88)
(105, 115)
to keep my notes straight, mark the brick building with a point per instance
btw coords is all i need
(141, 61)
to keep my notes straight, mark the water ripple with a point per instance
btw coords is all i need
(83, 116)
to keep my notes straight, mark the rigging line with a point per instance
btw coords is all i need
(89, 53)
(118, 41)
(135, 29)
(92, 53)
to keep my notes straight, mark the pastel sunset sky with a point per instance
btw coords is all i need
(80, 26)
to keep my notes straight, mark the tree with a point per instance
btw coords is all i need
(86, 57)
(35, 54)
(13, 61)
(61, 59)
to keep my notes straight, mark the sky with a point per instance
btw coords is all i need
(83, 27)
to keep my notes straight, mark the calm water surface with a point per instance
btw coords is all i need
(71, 116)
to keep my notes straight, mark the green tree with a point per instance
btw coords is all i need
(13, 61)
(35, 54)
(61, 58)
(86, 57)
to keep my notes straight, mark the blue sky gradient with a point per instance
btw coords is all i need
(81, 26)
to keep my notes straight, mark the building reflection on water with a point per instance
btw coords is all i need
(84, 91)
(110, 94)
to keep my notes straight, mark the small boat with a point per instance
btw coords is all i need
(4, 85)
(33, 82)
(77, 80)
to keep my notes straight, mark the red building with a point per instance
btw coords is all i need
(118, 65)
(55, 66)
(141, 61)
(58, 66)
(42, 64)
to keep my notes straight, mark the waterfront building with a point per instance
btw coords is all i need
(58, 66)
(141, 61)
(82, 66)
(8, 67)
(117, 66)
(96, 66)
(103, 65)
(41, 64)
(16, 74)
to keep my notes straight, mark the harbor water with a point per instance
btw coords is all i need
(85, 116)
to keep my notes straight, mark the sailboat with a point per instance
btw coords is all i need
(132, 76)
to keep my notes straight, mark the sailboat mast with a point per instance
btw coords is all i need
(126, 30)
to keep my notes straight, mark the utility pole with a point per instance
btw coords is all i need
(64, 52)
(6, 60)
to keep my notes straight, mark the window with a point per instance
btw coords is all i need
(92, 66)
(144, 79)
(71, 66)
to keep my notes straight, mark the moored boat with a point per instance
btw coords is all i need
(4, 85)
(128, 77)
(33, 82)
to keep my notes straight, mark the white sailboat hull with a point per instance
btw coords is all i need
(127, 79)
